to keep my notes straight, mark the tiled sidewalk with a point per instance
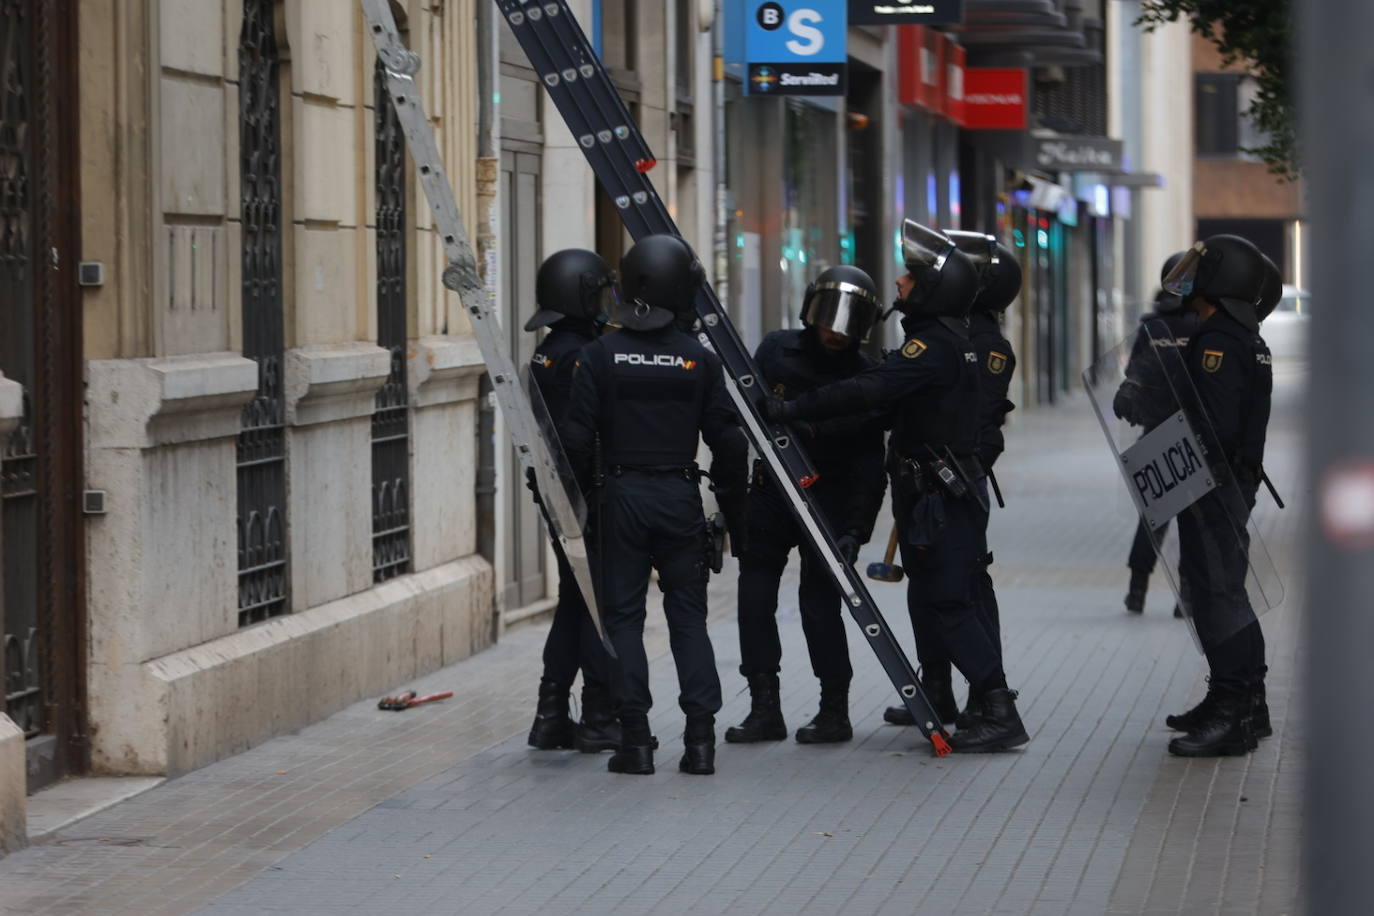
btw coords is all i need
(444, 810)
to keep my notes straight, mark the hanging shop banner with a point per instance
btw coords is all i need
(906, 12)
(995, 98)
(1078, 154)
(795, 48)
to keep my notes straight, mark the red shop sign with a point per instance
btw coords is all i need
(995, 98)
(954, 82)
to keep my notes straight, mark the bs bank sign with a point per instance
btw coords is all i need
(794, 48)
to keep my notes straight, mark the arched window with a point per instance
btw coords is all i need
(262, 539)
(391, 420)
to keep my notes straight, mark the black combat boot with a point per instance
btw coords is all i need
(999, 727)
(831, 724)
(552, 727)
(1135, 592)
(699, 746)
(938, 686)
(636, 752)
(1259, 712)
(1187, 721)
(1224, 732)
(764, 722)
(972, 710)
(599, 729)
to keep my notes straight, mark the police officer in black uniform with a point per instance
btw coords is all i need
(1227, 281)
(931, 385)
(574, 290)
(647, 391)
(840, 308)
(1168, 326)
(999, 277)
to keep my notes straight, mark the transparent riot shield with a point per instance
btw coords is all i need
(1171, 459)
(561, 502)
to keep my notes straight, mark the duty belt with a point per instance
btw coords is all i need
(687, 472)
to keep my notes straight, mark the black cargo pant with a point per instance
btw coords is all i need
(654, 519)
(934, 658)
(1143, 555)
(1214, 546)
(572, 642)
(943, 562)
(773, 532)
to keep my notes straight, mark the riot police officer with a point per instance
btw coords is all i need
(1169, 326)
(1228, 282)
(647, 391)
(999, 278)
(574, 290)
(931, 385)
(840, 308)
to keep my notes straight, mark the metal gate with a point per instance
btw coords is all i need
(41, 568)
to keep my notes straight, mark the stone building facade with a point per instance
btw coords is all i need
(279, 427)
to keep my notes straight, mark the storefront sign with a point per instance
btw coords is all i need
(954, 81)
(1078, 154)
(795, 48)
(995, 98)
(905, 12)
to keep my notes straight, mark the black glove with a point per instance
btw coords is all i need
(1126, 404)
(776, 410)
(532, 484)
(848, 546)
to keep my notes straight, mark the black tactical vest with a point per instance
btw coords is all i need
(653, 387)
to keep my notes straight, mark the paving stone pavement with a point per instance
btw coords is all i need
(443, 809)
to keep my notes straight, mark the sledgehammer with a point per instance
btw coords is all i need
(886, 571)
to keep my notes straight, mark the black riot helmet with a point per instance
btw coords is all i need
(1168, 303)
(1225, 269)
(660, 277)
(842, 299)
(946, 280)
(1272, 290)
(572, 283)
(999, 273)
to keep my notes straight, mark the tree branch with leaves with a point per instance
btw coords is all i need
(1257, 34)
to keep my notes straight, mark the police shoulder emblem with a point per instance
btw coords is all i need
(913, 348)
(997, 362)
(1211, 360)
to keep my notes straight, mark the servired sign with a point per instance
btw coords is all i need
(795, 48)
(995, 98)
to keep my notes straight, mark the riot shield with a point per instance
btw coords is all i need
(1174, 467)
(560, 501)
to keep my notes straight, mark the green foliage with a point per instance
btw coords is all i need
(1258, 35)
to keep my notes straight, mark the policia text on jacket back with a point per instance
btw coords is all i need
(931, 385)
(647, 392)
(840, 308)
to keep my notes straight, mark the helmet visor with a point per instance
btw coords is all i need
(924, 248)
(1182, 280)
(843, 308)
(980, 247)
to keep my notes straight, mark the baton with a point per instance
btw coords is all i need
(996, 490)
(1272, 492)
